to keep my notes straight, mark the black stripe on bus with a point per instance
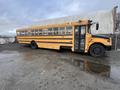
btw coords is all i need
(54, 42)
(50, 42)
(49, 38)
(44, 35)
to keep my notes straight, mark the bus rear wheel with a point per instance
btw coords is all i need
(97, 50)
(34, 45)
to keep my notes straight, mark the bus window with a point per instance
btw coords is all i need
(40, 32)
(22, 33)
(36, 33)
(45, 32)
(55, 31)
(50, 31)
(18, 33)
(32, 32)
(26, 33)
(61, 31)
(69, 30)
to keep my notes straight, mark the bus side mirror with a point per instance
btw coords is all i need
(97, 26)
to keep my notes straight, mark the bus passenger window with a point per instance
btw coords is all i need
(61, 31)
(45, 32)
(26, 33)
(55, 31)
(69, 30)
(18, 33)
(49, 31)
(22, 33)
(32, 32)
(29, 34)
(40, 32)
(36, 32)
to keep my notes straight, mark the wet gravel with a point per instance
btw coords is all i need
(22, 68)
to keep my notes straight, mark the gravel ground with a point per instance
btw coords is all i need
(22, 68)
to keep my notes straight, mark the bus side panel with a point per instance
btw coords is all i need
(50, 42)
(52, 45)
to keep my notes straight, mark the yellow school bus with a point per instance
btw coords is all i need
(73, 35)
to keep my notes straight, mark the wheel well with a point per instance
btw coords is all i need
(32, 41)
(65, 47)
(98, 44)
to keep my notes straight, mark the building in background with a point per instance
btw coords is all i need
(104, 18)
(116, 38)
(118, 21)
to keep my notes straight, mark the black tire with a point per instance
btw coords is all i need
(33, 45)
(97, 50)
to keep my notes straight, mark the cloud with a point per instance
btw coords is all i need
(18, 13)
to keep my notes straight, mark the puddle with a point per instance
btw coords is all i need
(108, 71)
(90, 66)
(93, 67)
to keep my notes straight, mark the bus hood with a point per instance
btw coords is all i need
(101, 36)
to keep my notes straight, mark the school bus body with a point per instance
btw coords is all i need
(78, 40)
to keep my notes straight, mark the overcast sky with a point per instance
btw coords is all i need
(16, 13)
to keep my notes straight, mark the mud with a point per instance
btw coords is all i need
(22, 68)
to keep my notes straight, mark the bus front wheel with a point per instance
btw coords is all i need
(97, 50)
(33, 45)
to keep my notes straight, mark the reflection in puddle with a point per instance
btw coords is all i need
(98, 68)
(93, 67)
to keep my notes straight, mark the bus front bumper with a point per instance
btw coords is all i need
(108, 48)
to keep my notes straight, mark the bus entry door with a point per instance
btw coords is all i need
(80, 39)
